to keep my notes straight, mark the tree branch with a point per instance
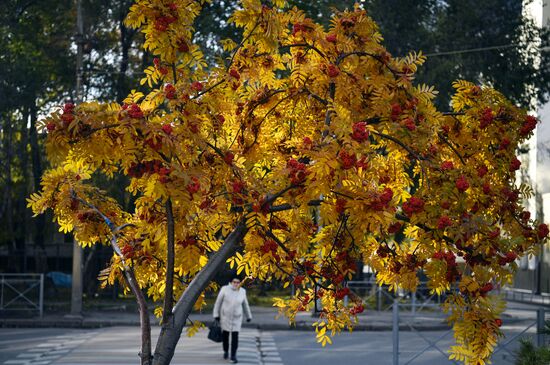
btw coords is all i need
(169, 280)
(145, 353)
(169, 336)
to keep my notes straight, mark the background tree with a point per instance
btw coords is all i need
(38, 63)
(37, 68)
(298, 117)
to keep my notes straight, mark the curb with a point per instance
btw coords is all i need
(299, 326)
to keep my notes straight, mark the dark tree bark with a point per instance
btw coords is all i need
(37, 170)
(126, 39)
(169, 287)
(8, 208)
(169, 335)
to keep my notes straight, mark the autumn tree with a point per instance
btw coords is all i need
(305, 150)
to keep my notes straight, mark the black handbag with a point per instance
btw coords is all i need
(215, 332)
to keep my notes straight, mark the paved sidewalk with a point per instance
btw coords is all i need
(120, 346)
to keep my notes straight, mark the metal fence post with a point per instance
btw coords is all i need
(41, 296)
(395, 331)
(540, 327)
(413, 299)
(379, 298)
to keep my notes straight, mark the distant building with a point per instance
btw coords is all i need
(534, 272)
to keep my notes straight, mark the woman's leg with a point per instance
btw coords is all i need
(225, 338)
(234, 344)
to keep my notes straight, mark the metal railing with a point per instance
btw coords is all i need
(380, 298)
(22, 292)
(536, 325)
(526, 296)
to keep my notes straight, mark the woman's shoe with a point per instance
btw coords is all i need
(234, 360)
(225, 355)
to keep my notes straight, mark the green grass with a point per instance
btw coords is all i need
(529, 354)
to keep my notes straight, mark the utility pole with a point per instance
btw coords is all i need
(76, 290)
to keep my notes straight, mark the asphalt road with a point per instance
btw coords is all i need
(120, 345)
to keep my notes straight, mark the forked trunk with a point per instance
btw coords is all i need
(171, 332)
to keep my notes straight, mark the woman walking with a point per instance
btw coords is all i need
(229, 311)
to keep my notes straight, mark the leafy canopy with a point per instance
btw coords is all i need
(321, 143)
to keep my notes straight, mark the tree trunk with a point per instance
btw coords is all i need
(171, 332)
(145, 324)
(169, 280)
(36, 171)
(126, 36)
(27, 214)
(40, 221)
(8, 135)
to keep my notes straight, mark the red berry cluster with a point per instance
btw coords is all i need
(494, 234)
(50, 126)
(163, 70)
(412, 262)
(183, 46)
(269, 246)
(486, 188)
(137, 170)
(134, 111)
(504, 143)
(462, 184)
(514, 164)
(234, 74)
(88, 215)
(197, 86)
(238, 186)
(394, 227)
(308, 267)
(360, 131)
(332, 70)
(297, 171)
(187, 242)
(340, 205)
(193, 186)
(528, 125)
(359, 308)
(486, 118)
(154, 142)
(127, 251)
(542, 231)
(447, 165)
(68, 114)
(485, 289)
(482, 171)
(348, 160)
(382, 201)
(396, 111)
(508, 258)
(167, 128)
(301, 27)
(162, 22)
(413, 205)
(409, 124)
(444, 222)
(331, 38)
(307, 143)
(341, 293)
(298, 279)
(170, 91)
(228, 158)
(452, 267)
